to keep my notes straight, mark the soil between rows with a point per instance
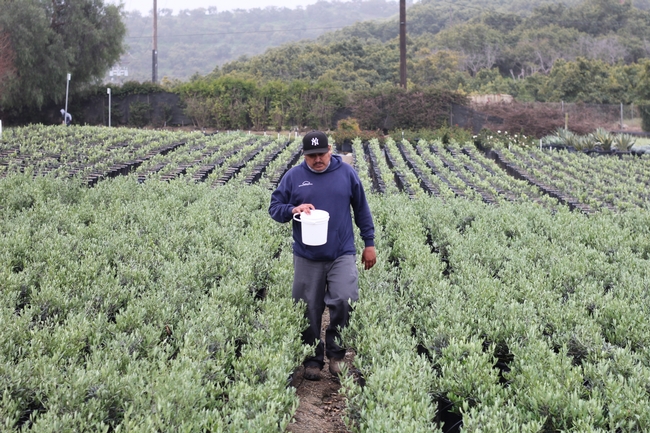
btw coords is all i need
(321, 407)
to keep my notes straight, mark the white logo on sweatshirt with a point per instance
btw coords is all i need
(305, 183)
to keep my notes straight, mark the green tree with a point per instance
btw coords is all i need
(643, 84)
(275, 100)
(537, 48)
(489, 81)
(327, 97)
(600, 17)
(50, 39)
(297, 103)
(582, 80)
(232, 96)
(478, 43)
(7, 58)
(434, 67)
(622, 82)
(636, 34)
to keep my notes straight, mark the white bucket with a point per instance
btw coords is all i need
(314, 227)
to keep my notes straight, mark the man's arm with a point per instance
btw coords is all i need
(282, 206)
(280, 209)
(362, 215)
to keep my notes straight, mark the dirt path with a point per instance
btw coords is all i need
(321, 406)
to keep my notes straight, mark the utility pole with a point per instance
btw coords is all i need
(67, 87)
(402, 43)
(108, 90)
(154, 53)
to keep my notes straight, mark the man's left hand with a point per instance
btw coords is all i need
(368, 257)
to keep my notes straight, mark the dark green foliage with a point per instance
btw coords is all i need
(135, 88)
(166, 114)
(444, 133)
(348, 130)
(513, 49)
(236, 101)
(139, 114)
(50, 40)
(644, 109)
(393, 107)
(128, 88)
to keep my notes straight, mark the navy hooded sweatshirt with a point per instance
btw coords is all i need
(336, 190)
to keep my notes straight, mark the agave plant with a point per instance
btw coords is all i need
(624, 141)
(574, 140)
(585, 142)
(554, 139)
(603, 138)
(566, 137)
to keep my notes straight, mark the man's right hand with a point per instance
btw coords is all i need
(305, 207)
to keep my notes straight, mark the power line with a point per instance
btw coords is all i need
(238, 33)
(285, 30)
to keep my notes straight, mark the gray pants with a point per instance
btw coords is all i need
(333, 284)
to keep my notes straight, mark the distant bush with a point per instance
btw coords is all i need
(391, 108)
(128, 88)
(139, 114)
(444, 134)
(644, 109)
(538, 120)
(348, 129)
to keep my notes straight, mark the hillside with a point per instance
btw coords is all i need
(197, 41)
(482, 47)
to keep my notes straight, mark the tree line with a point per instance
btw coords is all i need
(594, 51)
(234, 102)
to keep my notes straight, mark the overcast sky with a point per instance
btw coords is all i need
(144, 6)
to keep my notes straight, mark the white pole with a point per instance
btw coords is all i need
(108, 90)
(67, 87)
(621, 115)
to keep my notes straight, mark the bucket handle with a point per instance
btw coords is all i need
(298, 215)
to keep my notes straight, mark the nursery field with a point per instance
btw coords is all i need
(504, 173)
(143, 286)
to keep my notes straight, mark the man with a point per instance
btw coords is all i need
(67, 117)
(325, 275)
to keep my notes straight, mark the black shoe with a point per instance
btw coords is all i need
(312, 373)
(335, 366)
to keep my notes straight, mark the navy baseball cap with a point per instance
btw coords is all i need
(314, 142)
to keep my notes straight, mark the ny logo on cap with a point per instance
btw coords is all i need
(314, 141)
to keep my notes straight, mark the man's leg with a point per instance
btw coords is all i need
(342, 288)
(309, 279)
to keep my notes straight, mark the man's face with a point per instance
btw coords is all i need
(319, 161)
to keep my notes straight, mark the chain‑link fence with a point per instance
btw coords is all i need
(539, 118)
(611, 116)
